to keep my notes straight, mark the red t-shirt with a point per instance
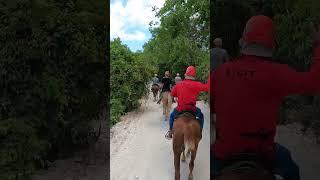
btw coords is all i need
(187, 92)
(246, 95)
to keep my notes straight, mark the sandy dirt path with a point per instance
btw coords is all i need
(139, 150)
(303, 148)
(85, 165)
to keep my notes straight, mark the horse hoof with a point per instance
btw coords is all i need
(188, 153)
(183, 159)
(190, 177)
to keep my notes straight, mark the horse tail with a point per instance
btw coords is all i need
(190, 146)
(192, 136)
(189, 142)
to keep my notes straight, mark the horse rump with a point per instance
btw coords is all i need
(155, 87)
(186, 137)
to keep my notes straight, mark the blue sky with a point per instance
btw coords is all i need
(129, 20)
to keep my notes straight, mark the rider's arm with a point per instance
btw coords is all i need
(212, 95)
(204, 87)
(289, 81)
(174, 92)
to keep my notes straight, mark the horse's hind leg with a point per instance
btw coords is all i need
(188, 153)
(191, 164)
(176, 142)
(177, 165)
(183, 159)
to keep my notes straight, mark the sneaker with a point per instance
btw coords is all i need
(168, 135)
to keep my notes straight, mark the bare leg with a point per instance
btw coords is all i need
(168, 106)
(164, 103)
(164, 109)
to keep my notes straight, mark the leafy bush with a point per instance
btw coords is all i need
(295, 48)
(19, 147)
(52, 80)
(130, 76)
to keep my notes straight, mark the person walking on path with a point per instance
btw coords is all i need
(218, 55)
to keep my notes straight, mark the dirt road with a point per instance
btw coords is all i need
(139, 150)
(303, 148)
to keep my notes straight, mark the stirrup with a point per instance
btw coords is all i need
(167, 136)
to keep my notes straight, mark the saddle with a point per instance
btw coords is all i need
(186, 113)
(246, 163)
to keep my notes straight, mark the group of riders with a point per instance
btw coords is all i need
(185, 92)
(245, 96)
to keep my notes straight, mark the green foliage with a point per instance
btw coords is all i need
(227, 22)
(182, 38)
(19, 147)
(130, 75)
(294, 38)
(52, 80)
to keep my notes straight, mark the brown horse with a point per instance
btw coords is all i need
(186, 136)
(155, 89)
(247, 167)
(166, 103)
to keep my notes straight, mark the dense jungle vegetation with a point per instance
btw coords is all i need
(52, 66)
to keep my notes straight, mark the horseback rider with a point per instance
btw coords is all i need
(166, 84)
(155, 80)
(187, 91)
(177, 79)
(247, 94)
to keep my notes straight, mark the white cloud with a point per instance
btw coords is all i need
(136, 13)
(133, 36)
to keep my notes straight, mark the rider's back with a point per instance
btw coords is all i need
(177, 79)
(166, 81)
(247, 95)
(155, 80)
(187, 92)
